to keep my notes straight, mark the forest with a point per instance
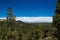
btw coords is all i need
(10, 29)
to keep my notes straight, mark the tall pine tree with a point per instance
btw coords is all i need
(56, 19)
(10, 19)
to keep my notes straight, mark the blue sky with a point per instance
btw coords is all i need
(28, 8)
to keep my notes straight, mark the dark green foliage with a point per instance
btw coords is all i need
(45, 32)
(20, 35)
(25, 31)
(56, 20)
(35, 34)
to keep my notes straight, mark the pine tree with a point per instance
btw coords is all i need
(56, 19)
(10, 19)
(9, 32)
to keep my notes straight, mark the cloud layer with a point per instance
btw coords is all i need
(34, 19)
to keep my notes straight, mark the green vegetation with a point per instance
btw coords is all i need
(22, 31)
(56, 22)
(11, 29)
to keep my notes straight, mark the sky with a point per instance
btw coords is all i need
(28, 8)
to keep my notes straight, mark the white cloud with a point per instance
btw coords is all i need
(33, 19)
(2, 18)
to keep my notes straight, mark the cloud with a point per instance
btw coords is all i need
(1, 18)
(34, 19)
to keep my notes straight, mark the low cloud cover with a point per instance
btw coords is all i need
(33, 19)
